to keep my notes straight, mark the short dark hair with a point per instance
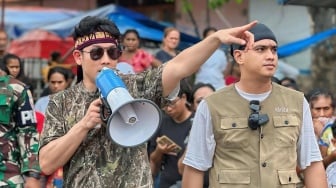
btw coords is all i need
(92, 24)
(197, 86)
(134, 31)
(185, 88)
(55, 55)
(61, 70)
(207, 30)
(5, 61)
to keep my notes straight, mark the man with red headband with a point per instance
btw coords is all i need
(71, 138)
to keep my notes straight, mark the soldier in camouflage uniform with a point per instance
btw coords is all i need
(18, 136)
(71, 138)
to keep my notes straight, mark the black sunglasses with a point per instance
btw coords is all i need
(255, 119)
(98, 52)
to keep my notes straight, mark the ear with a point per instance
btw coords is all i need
(238, 56)
(77, 55)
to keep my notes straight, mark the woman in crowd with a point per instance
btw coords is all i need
(171, 39)
(57, 81)
(13, 66)
(134, 55)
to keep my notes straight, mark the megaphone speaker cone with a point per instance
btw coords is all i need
(148, 120)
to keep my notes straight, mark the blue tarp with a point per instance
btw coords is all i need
(300, 45)
(20, 20)
(62, 21)
(124, 19)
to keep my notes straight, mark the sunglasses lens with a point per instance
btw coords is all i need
(96, 53)
(113, 53)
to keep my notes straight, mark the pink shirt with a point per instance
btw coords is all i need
(140, 61)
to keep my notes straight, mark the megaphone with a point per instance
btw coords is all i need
(132, 121)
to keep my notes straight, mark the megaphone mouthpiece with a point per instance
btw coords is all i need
(128, 115)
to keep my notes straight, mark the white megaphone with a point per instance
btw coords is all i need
(133, 121)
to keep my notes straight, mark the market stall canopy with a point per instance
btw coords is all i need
(61, 21)
(124, 19)
(19, 20)
(39, 44)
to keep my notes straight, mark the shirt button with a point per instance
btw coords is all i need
(234, 125)
(264, 164)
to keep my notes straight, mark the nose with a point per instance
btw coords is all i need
(56, 85)
(168, 108)
(105, 60)
(322, 113)
(270, 53)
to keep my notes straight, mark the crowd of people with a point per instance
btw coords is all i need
(227, 121)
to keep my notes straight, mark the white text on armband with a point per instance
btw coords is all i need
(28, 116)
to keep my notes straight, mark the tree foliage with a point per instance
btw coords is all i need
(213, 4)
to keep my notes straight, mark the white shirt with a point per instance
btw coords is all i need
(201, 146)
(41, 104)
(212, 70)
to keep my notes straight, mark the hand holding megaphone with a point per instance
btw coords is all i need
(92, 116)
(131, 121)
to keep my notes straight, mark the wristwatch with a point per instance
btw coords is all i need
(32, 174)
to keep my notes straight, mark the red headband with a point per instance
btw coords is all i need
(93, 38)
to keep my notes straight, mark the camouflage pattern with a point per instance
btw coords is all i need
(19, 139)
(98, 162)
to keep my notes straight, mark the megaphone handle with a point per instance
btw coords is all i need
(103, 112)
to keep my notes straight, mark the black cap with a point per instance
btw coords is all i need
(260, 32)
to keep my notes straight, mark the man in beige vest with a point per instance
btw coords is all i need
(254, 133)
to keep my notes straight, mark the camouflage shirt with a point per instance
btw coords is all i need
(18, 139)
(98, 162)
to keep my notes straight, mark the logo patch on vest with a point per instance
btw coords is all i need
(281, 109)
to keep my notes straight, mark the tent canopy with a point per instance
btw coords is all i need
(62, 22)
(19, 20)
(124, 19)
(40, 44)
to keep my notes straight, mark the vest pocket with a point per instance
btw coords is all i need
(288, 177)
(235, 132)
(286, 130)
(242, 177)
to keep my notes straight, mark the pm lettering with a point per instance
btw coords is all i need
(28, 117)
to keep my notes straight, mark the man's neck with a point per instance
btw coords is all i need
(254, 86)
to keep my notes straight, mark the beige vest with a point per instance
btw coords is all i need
(265, 157)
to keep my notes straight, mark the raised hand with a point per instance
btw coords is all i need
(239, 35)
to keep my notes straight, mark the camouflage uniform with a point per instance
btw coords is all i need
(98, 162)
(18, 139)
